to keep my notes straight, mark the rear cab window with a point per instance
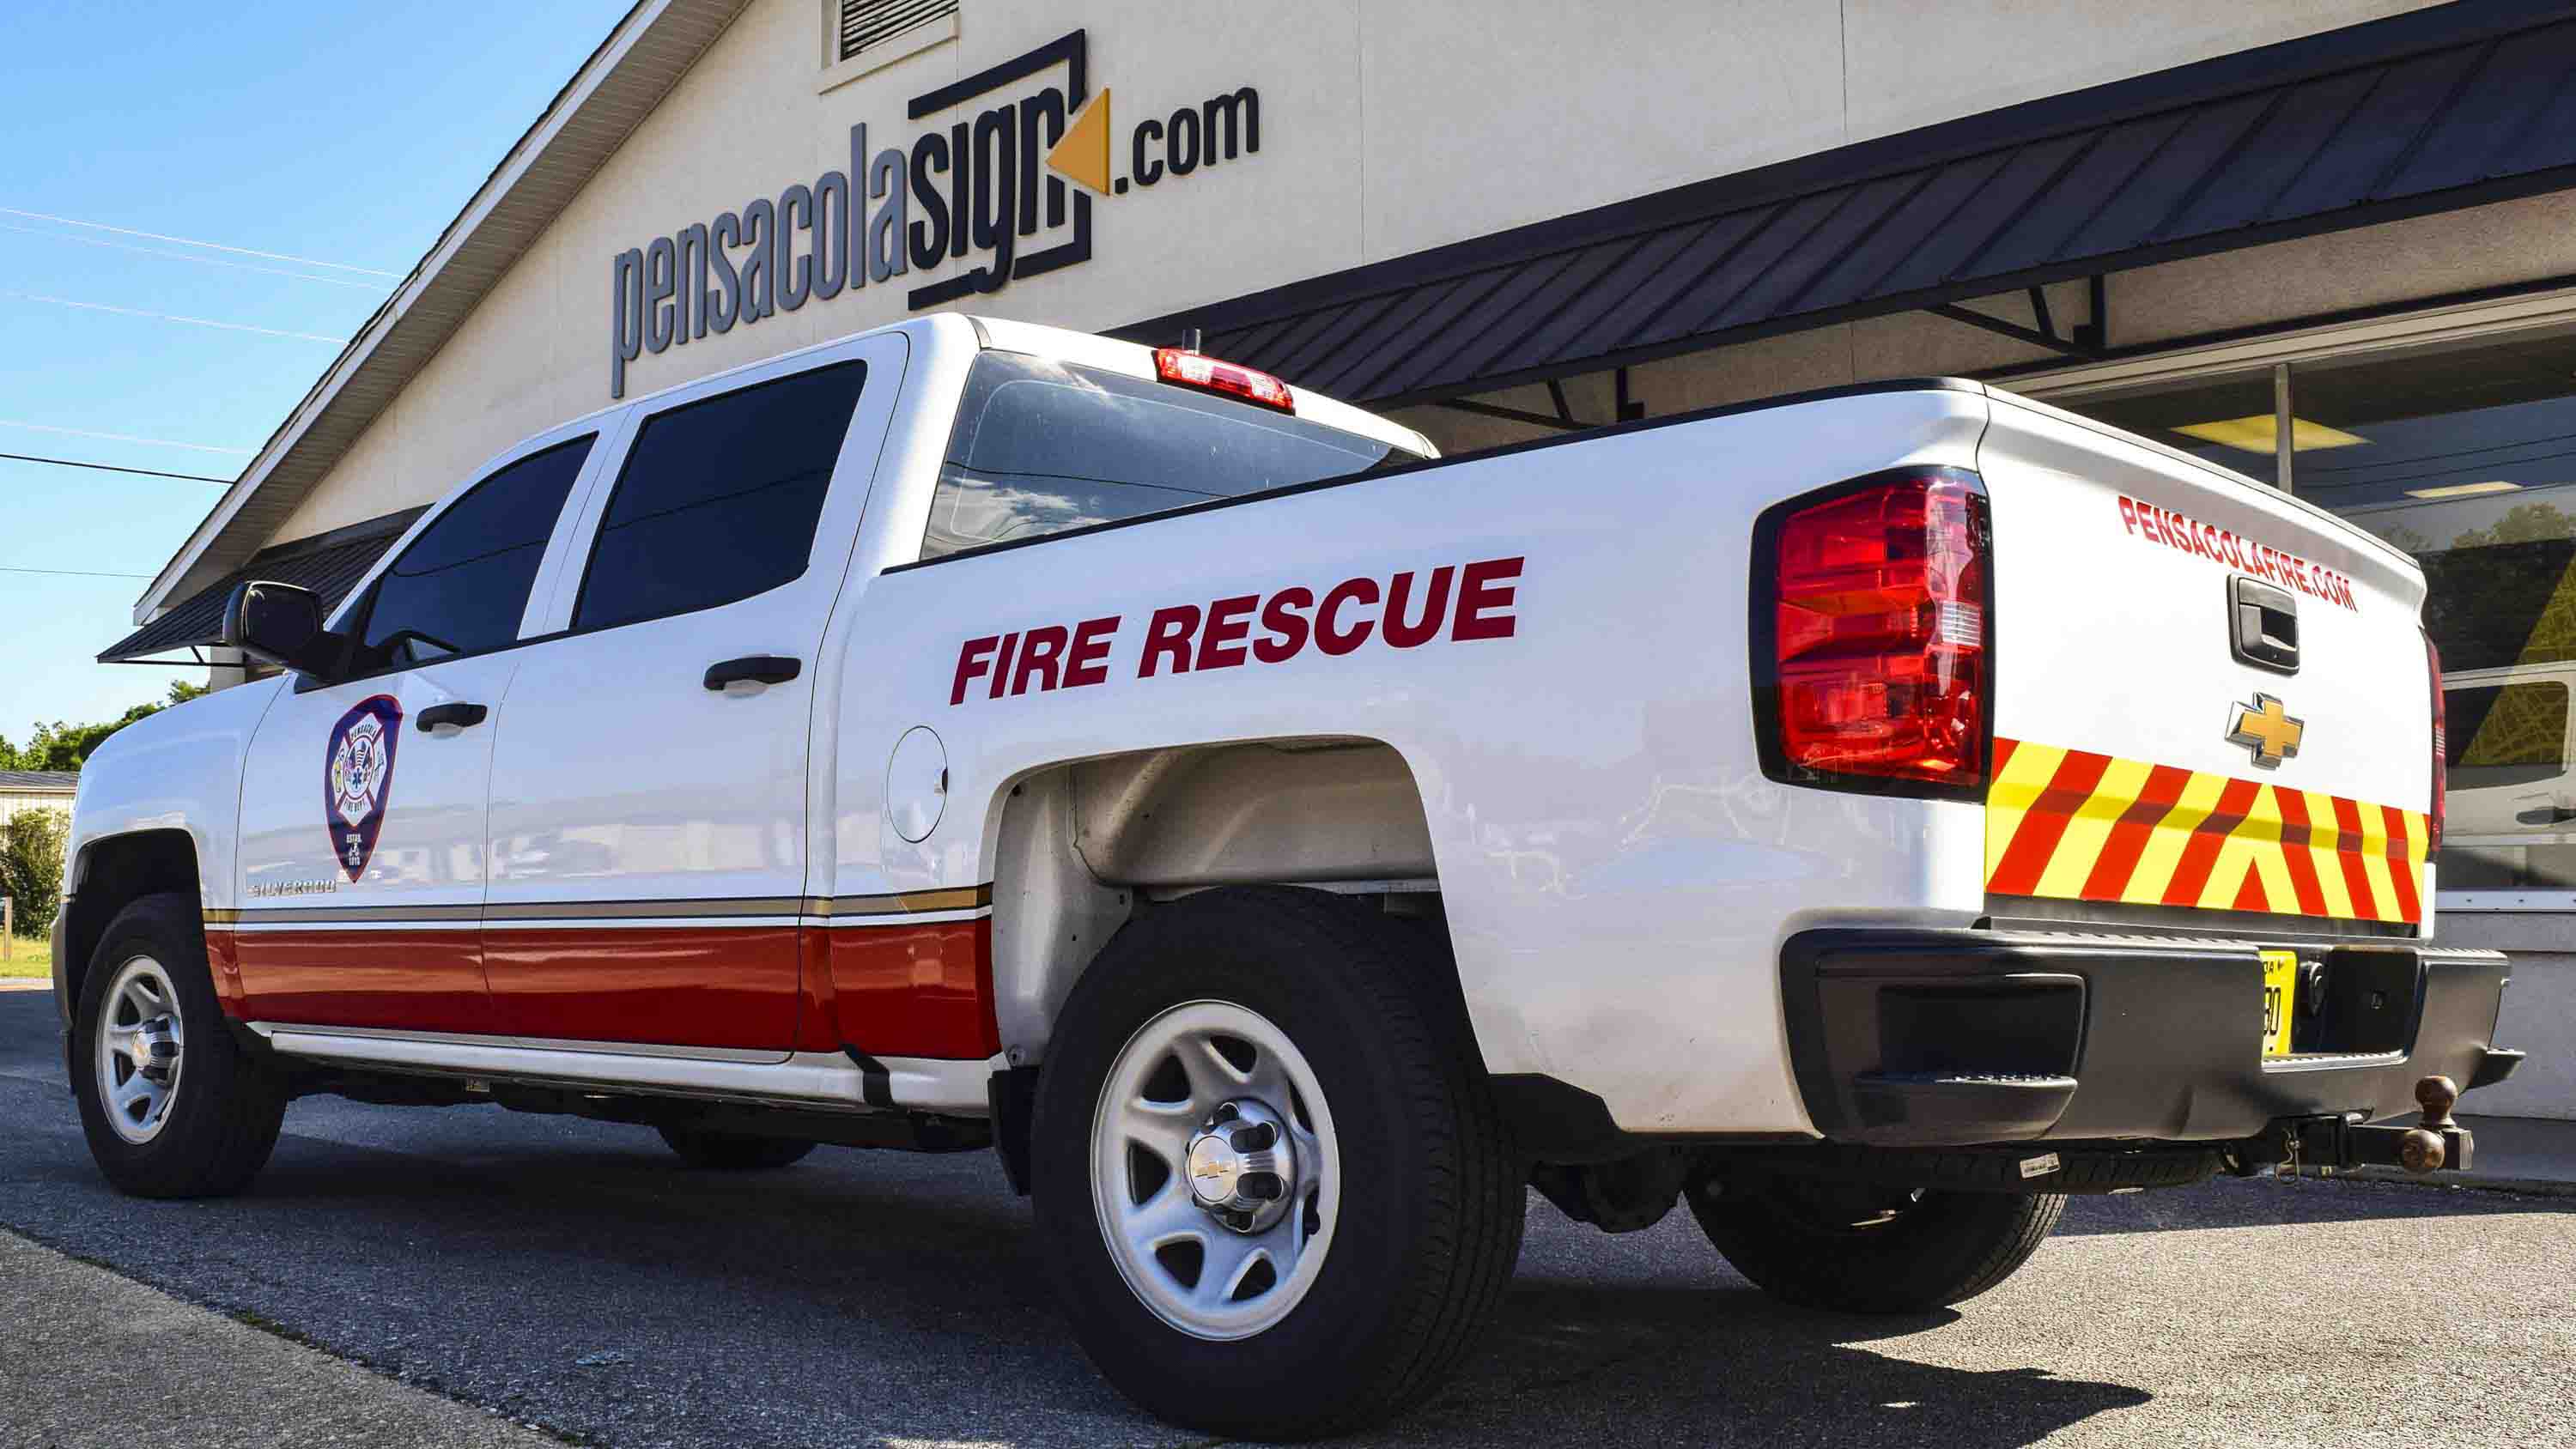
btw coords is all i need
(1044, 447)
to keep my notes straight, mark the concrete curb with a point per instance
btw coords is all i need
(88, 1355)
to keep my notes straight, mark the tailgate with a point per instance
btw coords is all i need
(2142, 758)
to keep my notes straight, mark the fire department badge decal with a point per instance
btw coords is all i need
(358, 779)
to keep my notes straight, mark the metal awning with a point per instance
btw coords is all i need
(2448, 108)
(330, 564)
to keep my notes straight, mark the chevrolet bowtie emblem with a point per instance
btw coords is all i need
(2266, 729)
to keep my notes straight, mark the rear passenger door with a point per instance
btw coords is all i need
(649, 794)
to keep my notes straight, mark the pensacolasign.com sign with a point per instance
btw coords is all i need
(974, 188)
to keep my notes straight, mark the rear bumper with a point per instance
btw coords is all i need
(1963, 1037)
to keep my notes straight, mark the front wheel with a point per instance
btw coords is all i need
(1855, 1248)
(172, 1105)
(1269, 1176)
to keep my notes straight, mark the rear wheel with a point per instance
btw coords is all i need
(1859, 1248)
(172, 1104)
(734, 1151)
(1269, 1176)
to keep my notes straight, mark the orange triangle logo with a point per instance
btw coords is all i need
(2250, 896)
(1083, 154)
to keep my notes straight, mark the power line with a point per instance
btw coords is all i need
(120, 437)
(95, 241)
(193, 242)
(69, 573)
(168, 317)
(113, 468)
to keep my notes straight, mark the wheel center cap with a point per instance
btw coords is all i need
(1215, 1168)
(1243, 1165)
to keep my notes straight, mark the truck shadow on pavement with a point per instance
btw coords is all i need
(575, 1275)
(1678, 1365)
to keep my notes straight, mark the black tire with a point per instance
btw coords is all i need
(1860, 1249)
(226, 1107)
(1433, 1192)
(734, 1151)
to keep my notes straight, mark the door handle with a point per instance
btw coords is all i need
(460, 714)
(754, 669)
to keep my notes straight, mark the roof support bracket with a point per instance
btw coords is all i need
(1623, 408)
(2086, 339)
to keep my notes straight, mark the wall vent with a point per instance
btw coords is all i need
(866, 23)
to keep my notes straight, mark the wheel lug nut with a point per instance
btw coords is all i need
(1263, 1185)
(1255, 1138)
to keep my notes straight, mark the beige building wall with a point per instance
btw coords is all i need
(1387, 126)
(14, 801)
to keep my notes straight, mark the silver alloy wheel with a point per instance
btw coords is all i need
(1211, 1254)
(140, 1050)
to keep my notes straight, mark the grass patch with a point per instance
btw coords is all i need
(30, 958)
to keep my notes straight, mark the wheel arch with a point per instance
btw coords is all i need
(1077, 848)
(106, 875)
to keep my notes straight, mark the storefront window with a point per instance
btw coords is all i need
(2465, 457)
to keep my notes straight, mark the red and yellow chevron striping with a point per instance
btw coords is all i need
(2073, 825)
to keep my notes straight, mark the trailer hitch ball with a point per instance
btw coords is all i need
(2421, 1148)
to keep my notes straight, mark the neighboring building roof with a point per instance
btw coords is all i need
(330, 564)
(588, 120)
(2428, 112)
(38, 782)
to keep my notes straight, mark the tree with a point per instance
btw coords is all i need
(60, 746)
(31, 866)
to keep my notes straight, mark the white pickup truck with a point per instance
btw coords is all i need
(1866, 817)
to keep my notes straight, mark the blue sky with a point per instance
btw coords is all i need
(347, 134)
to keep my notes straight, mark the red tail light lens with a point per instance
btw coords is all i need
(1192, 369)
(1880, 656)
(2441, 750)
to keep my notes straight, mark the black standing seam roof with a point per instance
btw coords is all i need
(2350, 128)
(330, 564)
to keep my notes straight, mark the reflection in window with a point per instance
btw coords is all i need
(1043, 447)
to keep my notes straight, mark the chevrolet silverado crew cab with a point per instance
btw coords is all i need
(1865, 818)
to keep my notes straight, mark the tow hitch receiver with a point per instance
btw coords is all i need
(2331, 1144)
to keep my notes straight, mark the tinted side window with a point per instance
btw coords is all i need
(1042, 447)
(462, 585)
(718, 499)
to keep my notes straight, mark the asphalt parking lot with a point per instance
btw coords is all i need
(572, 1276)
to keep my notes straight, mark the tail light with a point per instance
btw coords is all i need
(1872, 636)
(2441, 749)
(1192, 369)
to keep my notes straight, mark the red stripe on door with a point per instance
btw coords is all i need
(392, 980)
(724, 986)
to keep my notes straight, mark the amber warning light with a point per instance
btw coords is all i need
(1192, 369)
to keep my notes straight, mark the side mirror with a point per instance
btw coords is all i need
(279, 624)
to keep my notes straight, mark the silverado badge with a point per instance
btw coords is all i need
(2266, 729)
(358, 778)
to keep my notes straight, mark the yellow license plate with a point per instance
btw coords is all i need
(2280, 986)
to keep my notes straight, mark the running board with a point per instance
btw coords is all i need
(802, 1079)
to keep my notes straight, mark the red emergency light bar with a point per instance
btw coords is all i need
(1193, 369)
